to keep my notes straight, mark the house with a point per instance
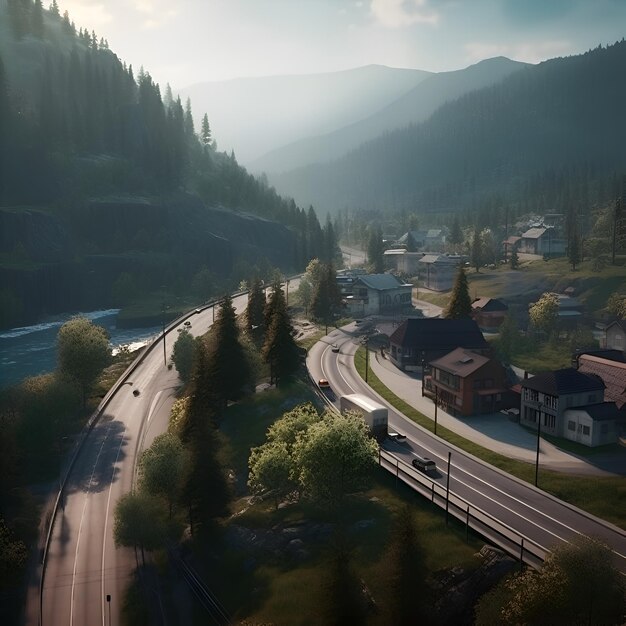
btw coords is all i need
(511, 243)
(489, 313)
(568, 403)
(611, 371)
(379, 294)
(432, 239)
(616, 336)
(417, 341)
(468, 383)
(437, 271)
(400, 260)
(542, 240)
(570, 309)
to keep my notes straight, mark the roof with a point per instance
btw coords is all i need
(598, 412)
(612, 373)
(440, 258)
(607, 354)
(489, 304)
(460, 362)
(439, 334)
(534, 233)
(619, 323)
(512, 240)
(563, 382)
(381, 282)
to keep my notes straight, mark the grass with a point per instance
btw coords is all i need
(603, 497)
(271, 588)
(544, 357)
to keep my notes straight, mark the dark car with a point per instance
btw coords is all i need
(323, 383)
(425, 465)
(335, 348)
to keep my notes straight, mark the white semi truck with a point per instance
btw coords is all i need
(374, 414)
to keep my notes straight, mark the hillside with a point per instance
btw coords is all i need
(253, 116)
(103, 179)
(411, 108)
(543, 137)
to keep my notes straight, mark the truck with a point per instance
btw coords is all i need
(374, 414)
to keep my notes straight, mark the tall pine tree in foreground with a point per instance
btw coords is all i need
(460, 304)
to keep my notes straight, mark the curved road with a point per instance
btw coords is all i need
(527, 512)
(83, 567)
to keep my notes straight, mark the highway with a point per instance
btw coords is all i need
(525, 511)
(83, 567)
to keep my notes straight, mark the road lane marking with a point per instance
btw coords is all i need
(106, 520)
(82, 518)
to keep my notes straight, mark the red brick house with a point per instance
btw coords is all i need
(468, 383)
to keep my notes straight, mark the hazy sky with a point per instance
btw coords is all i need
(187, 41)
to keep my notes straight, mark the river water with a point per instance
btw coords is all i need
(31, 350)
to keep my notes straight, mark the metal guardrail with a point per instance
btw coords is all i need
(504, 536)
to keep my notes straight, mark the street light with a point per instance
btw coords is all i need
(448, 487)
(538, 439)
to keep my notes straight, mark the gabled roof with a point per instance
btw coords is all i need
(381, 282)
(439, 334)
(534, 233)
(619, 323)
(612, 373)
(489, 304)
(563, 382)
(598, 412)
(460, 362)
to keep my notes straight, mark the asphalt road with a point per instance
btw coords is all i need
(83, 565)
(514, 508)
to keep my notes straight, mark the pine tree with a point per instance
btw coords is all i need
(227, 365)
(205, 132)
(375, 249)
(326, 296)
(256, 306)
(280, 349)
(37, 27)
(54, 8)
(460, 305)
(573, 250)
(477, 250)
(456, 235)
(514, 260)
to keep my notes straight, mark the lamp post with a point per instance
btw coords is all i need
(538, 439)
(448, 487)
(436, 405)
(163, 328)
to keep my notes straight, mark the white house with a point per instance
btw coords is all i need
(379, 294)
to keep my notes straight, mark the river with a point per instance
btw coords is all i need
(31, 350)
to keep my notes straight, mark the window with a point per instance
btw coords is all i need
(549, 421)
(531, 394)
(586, 430)
(551, 401)
(571, 425)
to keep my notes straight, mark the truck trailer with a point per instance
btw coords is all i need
(374, 414)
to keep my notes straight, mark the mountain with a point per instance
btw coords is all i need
(253, 116)
(104, 182)
(411, 108)
(546, 136)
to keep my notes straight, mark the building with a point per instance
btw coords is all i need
(432, 239)
(379, 294)
(468, 383)
(437, 271)
(417, 341)
(489, 313)
(611, 371)
(399, 260)
(569, 404)
(542, 240)
(616, 336)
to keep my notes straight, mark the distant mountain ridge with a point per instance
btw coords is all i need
(544, 137)
(410, 108)
(256, 115)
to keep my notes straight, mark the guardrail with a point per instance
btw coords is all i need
(504, 536)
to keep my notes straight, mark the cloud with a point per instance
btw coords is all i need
(400, 13)
(156, 12)
(86, 14)
(528, 51)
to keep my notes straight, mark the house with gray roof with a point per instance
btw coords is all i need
(542, 240)
(418, 341)
(437, 271)
(379, 294)
(569, 403)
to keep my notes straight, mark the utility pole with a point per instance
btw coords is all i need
(538, 439)
(436, 405)
(367, 357)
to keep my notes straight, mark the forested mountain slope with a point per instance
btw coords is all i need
(411, 108)
(103, 177)
(545, 137)
(256, 115)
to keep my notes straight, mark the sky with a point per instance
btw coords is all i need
(183, 42)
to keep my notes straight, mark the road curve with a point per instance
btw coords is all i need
(528, 512)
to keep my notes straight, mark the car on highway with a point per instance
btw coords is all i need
(425, 465)
(187, 324)
(396, 436)
(322, 383)
(335, 348)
